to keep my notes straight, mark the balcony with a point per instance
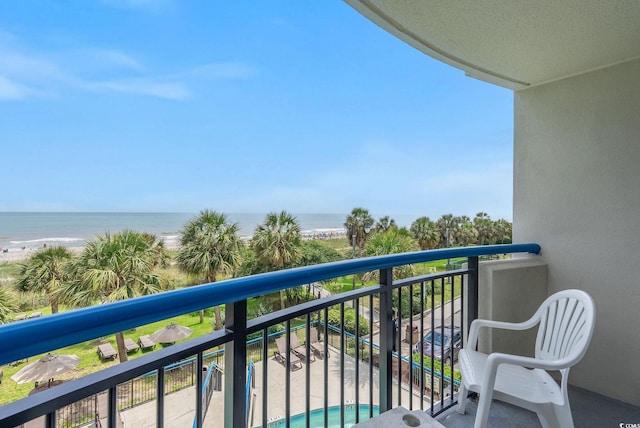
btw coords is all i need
(347, 369)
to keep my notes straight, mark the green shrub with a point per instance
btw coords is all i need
(349, 321)
(417, 303)
(437, 366)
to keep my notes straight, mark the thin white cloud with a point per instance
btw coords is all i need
(122, 59)
(27, 75)
(12, 91)
(24, 66)
(222, 70)
(95, 59)
(171, 91)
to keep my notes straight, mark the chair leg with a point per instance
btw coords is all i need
(484, 405)
(563, 416)
(462, 399)
(551, 416)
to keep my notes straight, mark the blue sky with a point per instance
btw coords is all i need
(168, 105)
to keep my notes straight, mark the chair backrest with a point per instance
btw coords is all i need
(567, 320)
(281, 344)
(294, 340)
(315, 335)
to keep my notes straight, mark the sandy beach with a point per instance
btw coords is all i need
(16, 255)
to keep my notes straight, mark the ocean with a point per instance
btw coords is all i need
(35, 229)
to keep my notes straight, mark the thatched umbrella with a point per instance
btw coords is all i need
(46, 368)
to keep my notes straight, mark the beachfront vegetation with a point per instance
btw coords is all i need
(7, 305)
(116, 267)
(277, 243)
(359, 223)
(425, 233)
(210, 247)
(46, 272)
(316, 252)
(393, 241)
(384, 224)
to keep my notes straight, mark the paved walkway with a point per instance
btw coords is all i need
(179, 411)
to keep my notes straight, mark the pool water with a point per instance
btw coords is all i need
(316, 417)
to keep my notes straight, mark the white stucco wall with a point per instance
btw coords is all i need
(577, 193)
(511, 291)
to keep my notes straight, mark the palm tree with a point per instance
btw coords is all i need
(392, 242)
(277, 242)
(484, 225)
(502, 231)
(211, 247)
(117, 267)
(466, 234)
(359, 223)
(384, 224)
(7, 305)
(46, 272)
(425, 232)
(446, 226)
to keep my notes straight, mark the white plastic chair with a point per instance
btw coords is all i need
(566, 321)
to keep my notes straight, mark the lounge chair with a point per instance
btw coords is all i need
(21, 317)
(301, 350)
(281, 355)
(35, 315)
(145, 342)
(316, 344)
(130, 345)
(106, 352)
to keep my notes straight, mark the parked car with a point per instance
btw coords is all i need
(432, 346)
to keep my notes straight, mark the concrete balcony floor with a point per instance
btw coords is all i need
(588, 409)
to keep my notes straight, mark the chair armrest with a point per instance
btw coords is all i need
(497, 358)
(494, 360)
(477, 324)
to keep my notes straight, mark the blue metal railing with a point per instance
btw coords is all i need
(41, 335)
(45, 334)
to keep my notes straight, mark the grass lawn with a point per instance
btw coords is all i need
(87, 351)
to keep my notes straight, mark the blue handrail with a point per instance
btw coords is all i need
(40, 335)
(247, 390)
(205, 385)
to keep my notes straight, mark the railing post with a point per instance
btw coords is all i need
(472, 294)
(386, 339)
(199, 410)
(235, 365)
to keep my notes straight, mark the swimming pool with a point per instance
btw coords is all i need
(316, 417)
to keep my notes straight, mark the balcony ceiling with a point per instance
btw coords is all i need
(514, 43)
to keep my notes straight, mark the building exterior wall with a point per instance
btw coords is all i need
(511, 291)
(577, 194)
